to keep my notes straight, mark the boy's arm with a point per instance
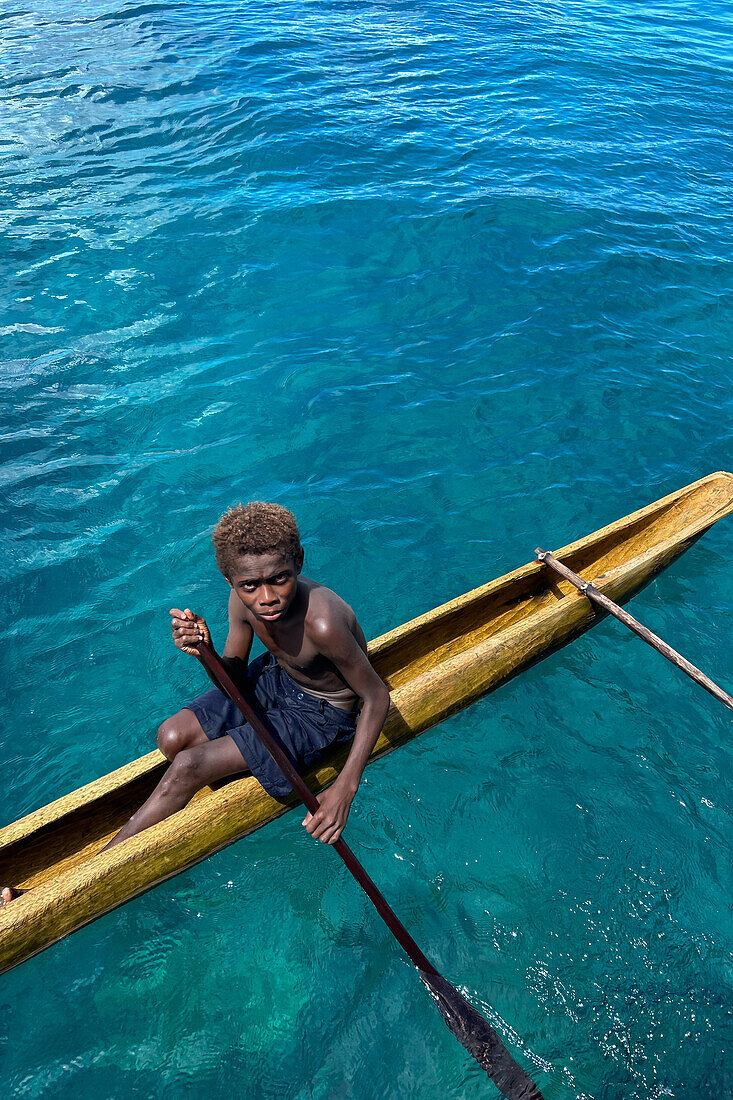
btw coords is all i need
(336, 642)
(235, 657)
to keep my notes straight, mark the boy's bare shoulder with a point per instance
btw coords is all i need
(236, 609)
(326, 610)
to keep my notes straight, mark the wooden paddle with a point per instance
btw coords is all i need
(467, 1024)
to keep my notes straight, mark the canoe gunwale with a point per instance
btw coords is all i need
(384, 642)
(67, 805)
(521, 579)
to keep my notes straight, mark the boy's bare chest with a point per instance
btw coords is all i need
(298, 655)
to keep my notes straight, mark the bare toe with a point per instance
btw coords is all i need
(9, 893)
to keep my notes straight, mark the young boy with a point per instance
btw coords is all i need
(309, 683)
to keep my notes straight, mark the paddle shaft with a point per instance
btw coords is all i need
(643, 632)
(467, 1024)
(214, 665)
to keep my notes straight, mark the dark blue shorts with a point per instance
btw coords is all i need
(305, 725)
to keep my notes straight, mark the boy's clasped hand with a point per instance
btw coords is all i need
(188, 630)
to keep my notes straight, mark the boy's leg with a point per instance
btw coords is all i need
(180, 731)
(192, 769)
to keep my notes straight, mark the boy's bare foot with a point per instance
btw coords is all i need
(9, 893)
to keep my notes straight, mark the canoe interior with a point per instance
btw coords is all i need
(75, 827)
(60, 844)
(497, 606)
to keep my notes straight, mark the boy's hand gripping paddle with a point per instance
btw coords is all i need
(466, 1023)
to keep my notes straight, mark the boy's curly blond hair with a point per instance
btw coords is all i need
(254, 528)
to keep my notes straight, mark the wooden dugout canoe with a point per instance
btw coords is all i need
(434, 665)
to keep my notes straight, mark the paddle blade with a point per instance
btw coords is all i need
(480, 1040)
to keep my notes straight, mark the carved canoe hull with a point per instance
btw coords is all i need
(435, 665)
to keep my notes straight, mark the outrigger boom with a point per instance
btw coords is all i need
(434, 665)
(638, 628)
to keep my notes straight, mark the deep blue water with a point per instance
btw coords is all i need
(449, 281)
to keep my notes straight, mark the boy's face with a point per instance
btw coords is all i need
(266, 583)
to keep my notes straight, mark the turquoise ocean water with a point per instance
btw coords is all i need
(449, 281)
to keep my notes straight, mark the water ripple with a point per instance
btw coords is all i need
(448, 281)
